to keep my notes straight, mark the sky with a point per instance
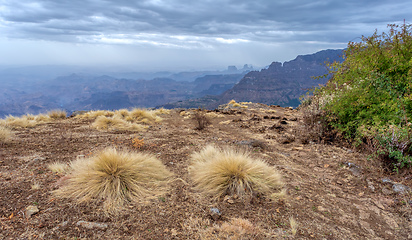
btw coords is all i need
(184, 34)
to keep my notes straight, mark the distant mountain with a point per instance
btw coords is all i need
(279, 84)
(85, 92)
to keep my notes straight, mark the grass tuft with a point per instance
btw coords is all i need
(115, 177)
(293, 225)
(58, 167)
(218, 172)
(115, 123)
(5, 134)
(57, 114)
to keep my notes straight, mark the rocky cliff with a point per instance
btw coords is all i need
(283, 84)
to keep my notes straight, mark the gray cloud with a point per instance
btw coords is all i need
(208, 24)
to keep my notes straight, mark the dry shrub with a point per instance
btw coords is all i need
(114, 124)
(219, 172)
(115, 177)
(201, 120)
(57, 114)
(5, 134)
(315, 126)
(238, 228)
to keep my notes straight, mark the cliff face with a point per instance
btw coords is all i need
(282, 84)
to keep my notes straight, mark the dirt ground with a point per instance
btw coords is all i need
(333, 192)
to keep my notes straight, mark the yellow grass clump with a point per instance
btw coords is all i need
(57, 114)
(115, 124)
(58, 167)
(25, 121)
(219, 172)
(29, 120)
(95, 114)
(115, 177)
(293, 226)
(124, 119)
(143, 116)
(5, 134)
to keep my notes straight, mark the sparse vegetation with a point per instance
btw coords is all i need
(115, 123)
(371, 92)
(201, 120)
(29, 120)
(124, 119)
(57, 114)
(293, 225)
(5, 134)
(235, 228)
(219, 172)
(58, 167)
(115, 177)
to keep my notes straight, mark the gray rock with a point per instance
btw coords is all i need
(370, 185)
(31, 210)
(215, 213)
(387, 191)
(354, 169)
(91, 225)
(386, 180)
(400, 188)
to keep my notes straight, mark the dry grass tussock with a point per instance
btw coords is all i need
(57, 114)
(29, 120)
(124, 119)
(219, 172)
(58, 167)
(115, 123)
(95, 114)
(115, 177)
(5, 134)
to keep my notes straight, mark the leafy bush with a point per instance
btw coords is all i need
(372, 90)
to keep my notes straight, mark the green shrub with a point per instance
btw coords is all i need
(372, 90)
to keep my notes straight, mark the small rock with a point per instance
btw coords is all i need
(321, 209)
(353, 168)
(386, 180)
(283, 122)
(215, 213)
(31, 210)
(387, 191)
(400, 188)
(370, 185)
(91, 225)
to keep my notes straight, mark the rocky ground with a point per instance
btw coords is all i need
(333, 192)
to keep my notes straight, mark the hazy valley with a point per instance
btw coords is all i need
(37, 90)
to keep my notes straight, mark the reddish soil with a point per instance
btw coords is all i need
(327, 198)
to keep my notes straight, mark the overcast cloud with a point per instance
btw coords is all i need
(160, 34)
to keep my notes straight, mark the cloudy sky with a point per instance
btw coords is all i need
(184, 34)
